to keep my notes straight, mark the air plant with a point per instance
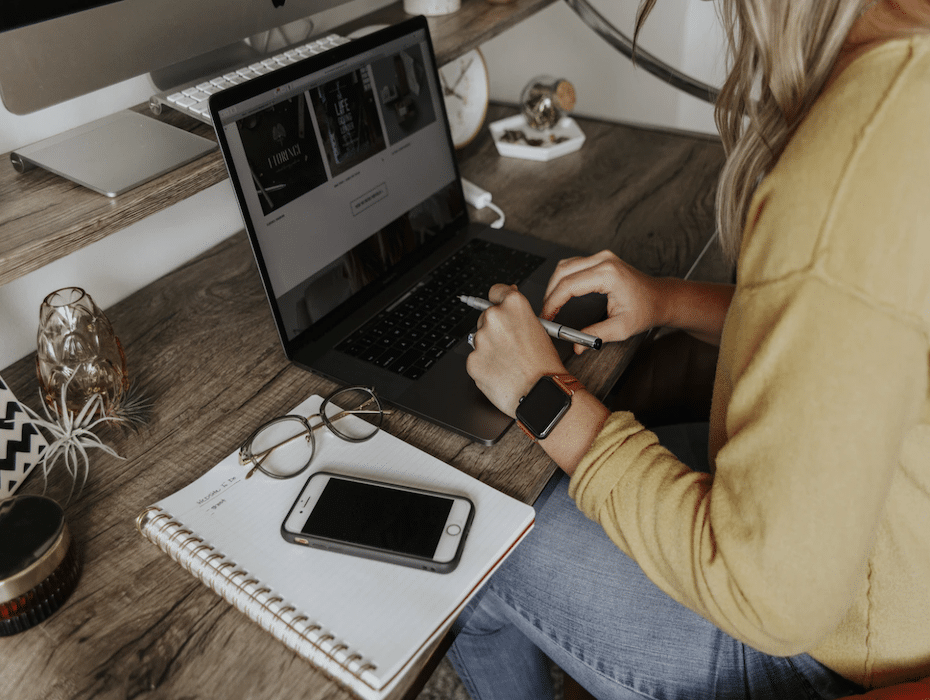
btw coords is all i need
(134, 409)
(72, 436)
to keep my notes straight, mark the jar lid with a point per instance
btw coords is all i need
(30, 527)
(565, 95)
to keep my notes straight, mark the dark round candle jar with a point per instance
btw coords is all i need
(39, 562)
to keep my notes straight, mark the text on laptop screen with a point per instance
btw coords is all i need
(338, 189)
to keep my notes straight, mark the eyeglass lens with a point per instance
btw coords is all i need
(354, 414)
(283, 447)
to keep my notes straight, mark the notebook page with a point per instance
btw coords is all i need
(384, 612)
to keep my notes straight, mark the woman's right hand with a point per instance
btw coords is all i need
(633, 297)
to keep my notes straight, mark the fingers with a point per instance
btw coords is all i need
(610, 330)
(579, 277)
(512, 349)
(570, 266)
(506, 299)
(498, 292)
(631, 297)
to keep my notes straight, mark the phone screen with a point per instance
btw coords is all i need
(380, 517)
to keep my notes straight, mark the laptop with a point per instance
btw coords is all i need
(346, 177)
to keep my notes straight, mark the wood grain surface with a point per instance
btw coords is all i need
(201, 344)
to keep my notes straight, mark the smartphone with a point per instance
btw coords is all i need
(377, 520)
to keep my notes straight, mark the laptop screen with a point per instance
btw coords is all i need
(346, 175)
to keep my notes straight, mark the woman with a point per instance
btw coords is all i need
(796, 562)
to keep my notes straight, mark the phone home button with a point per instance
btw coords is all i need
(453, 530)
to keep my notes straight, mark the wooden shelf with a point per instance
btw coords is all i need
(45, 217)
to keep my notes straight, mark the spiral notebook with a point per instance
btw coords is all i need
(363, 622)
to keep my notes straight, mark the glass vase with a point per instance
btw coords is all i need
(76, 342)
(545, 100)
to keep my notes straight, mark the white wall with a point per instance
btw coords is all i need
(684, 33)
(118, 265)
(555, 42)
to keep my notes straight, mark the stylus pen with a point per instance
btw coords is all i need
(556, 330)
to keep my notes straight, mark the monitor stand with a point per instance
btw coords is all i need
(114, 154)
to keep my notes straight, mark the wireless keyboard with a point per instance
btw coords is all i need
(193, 97)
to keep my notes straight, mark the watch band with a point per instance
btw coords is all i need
(567, 383)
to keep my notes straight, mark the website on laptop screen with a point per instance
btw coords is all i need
(345, 173)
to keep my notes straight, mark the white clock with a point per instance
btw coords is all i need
(465, 90)
(431, 8)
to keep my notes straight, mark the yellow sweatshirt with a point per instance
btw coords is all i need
(813, 534)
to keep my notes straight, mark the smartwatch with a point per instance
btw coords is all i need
(543, 407)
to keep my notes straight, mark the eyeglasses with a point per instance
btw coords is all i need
(284, 446)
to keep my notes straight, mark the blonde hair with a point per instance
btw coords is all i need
(780, 55)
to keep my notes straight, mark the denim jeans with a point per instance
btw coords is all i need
(569, 594)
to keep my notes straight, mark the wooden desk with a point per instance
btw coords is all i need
(202, 344)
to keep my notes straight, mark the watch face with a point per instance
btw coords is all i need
(541, 409)
(465, 91)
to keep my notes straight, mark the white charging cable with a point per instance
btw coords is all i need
(481, 199)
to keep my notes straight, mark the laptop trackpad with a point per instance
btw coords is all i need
(449, 397)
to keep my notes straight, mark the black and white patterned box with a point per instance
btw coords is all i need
(21, 443)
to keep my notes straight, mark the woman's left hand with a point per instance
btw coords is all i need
(512, 349)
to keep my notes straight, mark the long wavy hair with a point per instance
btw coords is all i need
(780, 55)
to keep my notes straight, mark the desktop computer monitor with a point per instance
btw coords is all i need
(55, 50)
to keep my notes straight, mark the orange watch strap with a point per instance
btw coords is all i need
(567, 383)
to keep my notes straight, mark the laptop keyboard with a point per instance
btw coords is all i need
(412, 334)
(193, 98)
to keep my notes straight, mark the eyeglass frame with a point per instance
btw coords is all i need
(245, 453)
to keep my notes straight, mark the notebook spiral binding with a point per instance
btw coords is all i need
(219, 574)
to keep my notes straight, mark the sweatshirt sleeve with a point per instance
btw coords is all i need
(773, 546)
